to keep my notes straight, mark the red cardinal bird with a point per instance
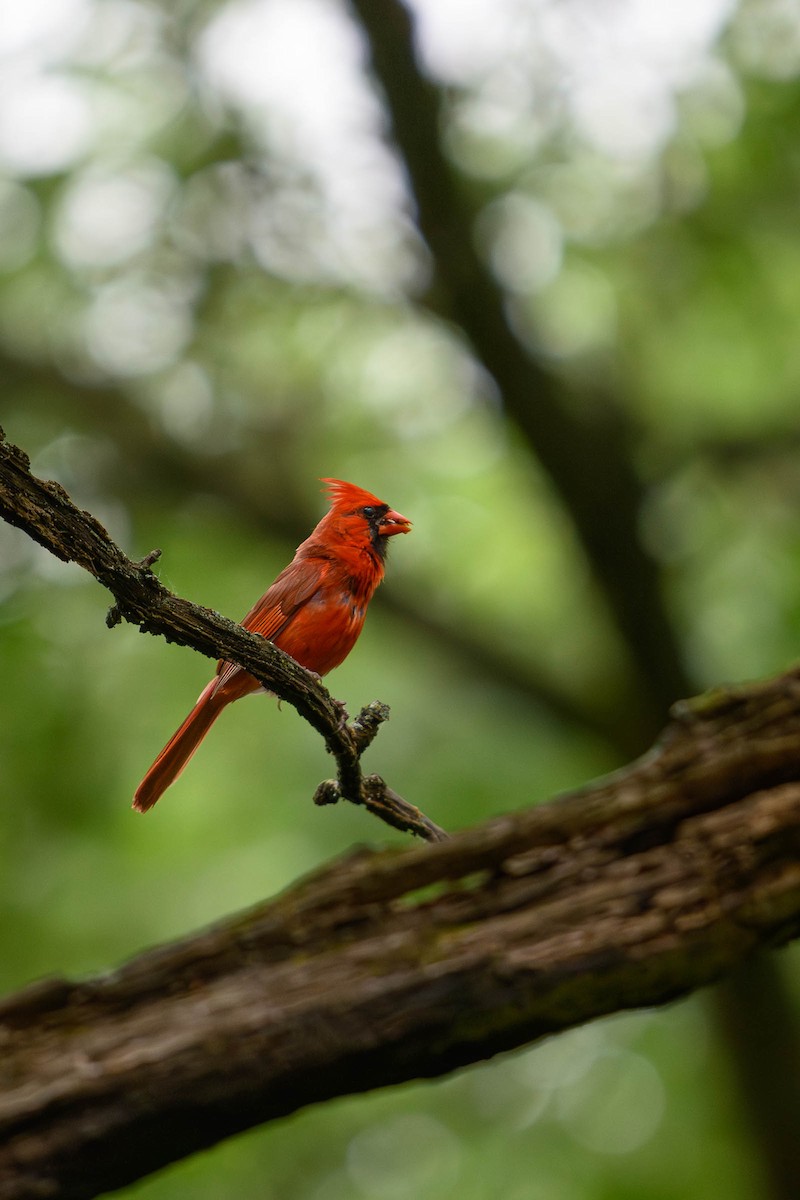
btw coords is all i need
(314, 611)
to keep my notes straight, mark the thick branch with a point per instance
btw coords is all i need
(45, 512)
(387, 967)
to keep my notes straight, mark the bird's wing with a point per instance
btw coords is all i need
(270, 615)
(293, 588)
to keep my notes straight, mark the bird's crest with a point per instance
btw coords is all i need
(345, 495)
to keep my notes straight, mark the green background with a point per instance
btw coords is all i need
(202, 312)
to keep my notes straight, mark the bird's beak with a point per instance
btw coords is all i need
(393, 522)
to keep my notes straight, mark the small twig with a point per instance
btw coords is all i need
(146, 563)
(383, 802)
(44, 511)
(366, 725)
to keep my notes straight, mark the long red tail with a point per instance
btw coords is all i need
(180, 747)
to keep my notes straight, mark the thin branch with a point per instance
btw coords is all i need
(43, 509)
(393, 966)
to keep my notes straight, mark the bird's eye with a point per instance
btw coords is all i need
(369, 512)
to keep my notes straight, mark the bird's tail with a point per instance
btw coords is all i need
(180, 747)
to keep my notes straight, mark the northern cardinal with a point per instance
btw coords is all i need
(314, 611)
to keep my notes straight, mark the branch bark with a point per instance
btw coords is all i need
(43, 509)
(387, 967)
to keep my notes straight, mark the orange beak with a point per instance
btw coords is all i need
(393, 522)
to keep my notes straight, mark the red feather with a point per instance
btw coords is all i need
(314, 611)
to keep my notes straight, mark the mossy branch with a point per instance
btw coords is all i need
(386, 967)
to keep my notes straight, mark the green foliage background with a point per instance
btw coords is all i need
(194, 328)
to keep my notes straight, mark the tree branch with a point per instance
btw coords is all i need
(386, 966)
(43, 509)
